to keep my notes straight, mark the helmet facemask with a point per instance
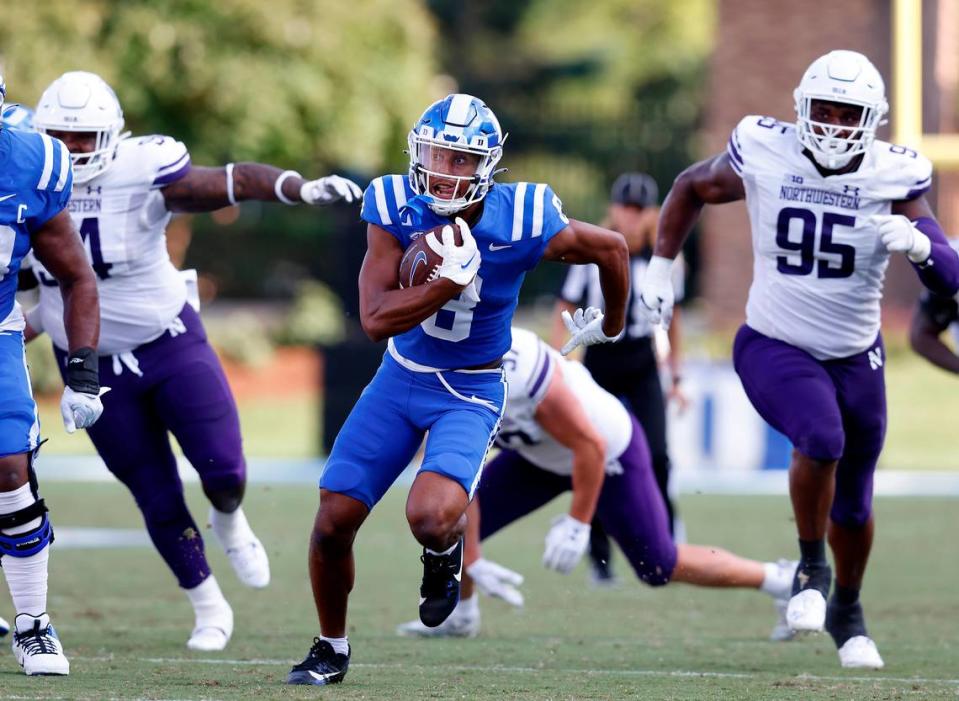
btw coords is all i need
(466, 189)
(835, 145)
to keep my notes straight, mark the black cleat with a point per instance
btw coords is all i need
(440, 590)
(322, 666)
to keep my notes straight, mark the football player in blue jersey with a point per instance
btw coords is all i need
(443, 370)
(37, 182)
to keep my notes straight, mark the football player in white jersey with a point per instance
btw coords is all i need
(828, 204)
(165, 377)
(563, 432)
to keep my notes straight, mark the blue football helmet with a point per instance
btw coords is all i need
(17, 116)
(459, 123)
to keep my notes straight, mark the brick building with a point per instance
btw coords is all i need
(762, 49)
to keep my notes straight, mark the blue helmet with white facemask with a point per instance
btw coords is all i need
(458, 122)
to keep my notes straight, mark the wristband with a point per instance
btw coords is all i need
(278, 186)
(83, 371)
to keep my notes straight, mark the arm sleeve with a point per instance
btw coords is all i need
(940, 272)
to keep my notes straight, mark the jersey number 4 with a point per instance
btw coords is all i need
(842, 258)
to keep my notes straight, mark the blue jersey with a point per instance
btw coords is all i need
(517, 222)
(35, 184)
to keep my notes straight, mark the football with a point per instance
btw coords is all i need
(420, 262)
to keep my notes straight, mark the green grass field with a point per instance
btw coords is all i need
(124, 623)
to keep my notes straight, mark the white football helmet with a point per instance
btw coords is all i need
(850, 78)
(83, 102)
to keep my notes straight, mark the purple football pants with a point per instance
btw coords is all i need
(630, 505)
(829, 409)
(181, 390)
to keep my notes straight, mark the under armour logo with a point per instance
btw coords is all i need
(852, 190)
(91, 189)
(875, 358)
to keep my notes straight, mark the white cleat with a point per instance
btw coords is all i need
(456, 626)
(4, 627)
(251, 564)
(806, 612)
(37, 648)
(781, 632)
(213, 632)
(860, 652)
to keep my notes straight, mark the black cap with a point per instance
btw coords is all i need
(636, 189)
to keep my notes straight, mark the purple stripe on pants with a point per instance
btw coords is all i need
(182, 391)
(630, 505)
(829, 409)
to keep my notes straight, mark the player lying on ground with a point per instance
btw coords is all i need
(38, 181)
(828, 204)
(563, 432)
(164, 375)
(443, 371)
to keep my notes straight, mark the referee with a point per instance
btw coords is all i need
(629, 368)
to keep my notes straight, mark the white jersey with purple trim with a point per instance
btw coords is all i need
(530, 365)
(122, 218)
(818, 262)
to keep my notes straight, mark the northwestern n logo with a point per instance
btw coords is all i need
(875, 358)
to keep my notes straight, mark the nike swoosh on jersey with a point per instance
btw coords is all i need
(494, 247)
(7, 197)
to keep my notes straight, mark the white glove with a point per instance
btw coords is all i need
(80, 410)
(497, 581)
(329, 189)
(460, 263)
(900, 235)
(658, 296)
(566, 543)
(585, 327)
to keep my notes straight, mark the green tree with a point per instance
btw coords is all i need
(296, 82)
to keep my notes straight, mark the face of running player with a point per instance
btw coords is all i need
(838, 113)
(447, 161)
(76, 141)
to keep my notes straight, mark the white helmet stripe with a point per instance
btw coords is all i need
(459, 110)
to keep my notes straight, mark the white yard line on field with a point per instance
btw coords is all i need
(550, 670)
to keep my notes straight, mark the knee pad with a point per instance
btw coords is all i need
(31, 542)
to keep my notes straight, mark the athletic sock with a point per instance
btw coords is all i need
(812, 552)
(777, 580)
(341, 646)
(844, 616)
(208, 601)
(26, 576)
(231, 529)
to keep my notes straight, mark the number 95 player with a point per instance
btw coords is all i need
(828, 204)
(443, 371)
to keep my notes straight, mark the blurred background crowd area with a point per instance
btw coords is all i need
(585, 90)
